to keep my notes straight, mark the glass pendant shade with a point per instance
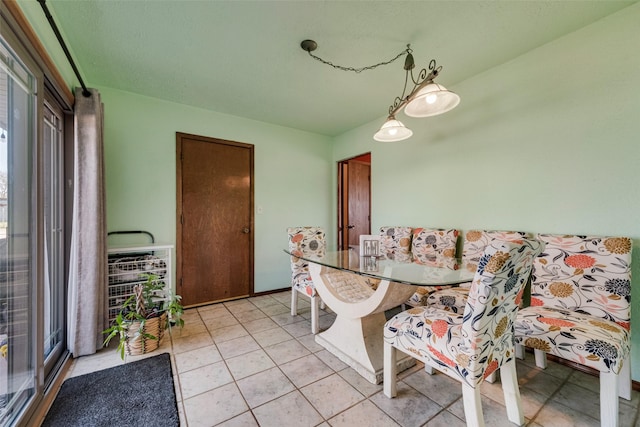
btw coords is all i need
(392, 130)
(431, 100)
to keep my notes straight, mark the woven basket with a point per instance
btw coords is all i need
(136, 345)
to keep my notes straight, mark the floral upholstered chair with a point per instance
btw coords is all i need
(395, 243)
(305, 241)
(471, 346)
(475, 242)
(580, 311)
(434, 247)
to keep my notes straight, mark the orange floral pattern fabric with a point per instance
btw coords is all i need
(434, 247)
(395, 243)
(580, 301)
(304, 241)
(472, 344)
(571, 335)
(475, 242)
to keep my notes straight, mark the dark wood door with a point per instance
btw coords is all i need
(215, 219)
(354, 213)
(359, 201)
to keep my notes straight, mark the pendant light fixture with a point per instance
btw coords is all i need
(392, 130)
(425, 99)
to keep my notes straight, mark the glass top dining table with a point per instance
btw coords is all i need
(355, 336)
(400, 270)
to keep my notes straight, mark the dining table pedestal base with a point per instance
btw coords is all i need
(356, 336)
(359, 344)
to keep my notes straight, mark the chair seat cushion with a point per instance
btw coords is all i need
(421, 294)
(452, 299)
(588, 340)
(434, 336)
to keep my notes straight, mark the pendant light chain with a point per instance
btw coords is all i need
(359, 70)
(425, 99)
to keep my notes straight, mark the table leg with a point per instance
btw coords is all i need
(356, 336)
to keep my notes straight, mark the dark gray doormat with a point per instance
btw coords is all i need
(137, 394)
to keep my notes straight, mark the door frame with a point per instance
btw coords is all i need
(343, 195)
(179, 137)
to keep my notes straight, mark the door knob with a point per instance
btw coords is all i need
(246, 230)
(351, 226)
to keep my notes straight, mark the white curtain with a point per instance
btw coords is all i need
(88, 261)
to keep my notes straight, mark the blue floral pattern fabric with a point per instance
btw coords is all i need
(580, 301)
(450, 299)
(433, 247)
(304, 241)
(475, 242)
(471, 345)
(395, 243)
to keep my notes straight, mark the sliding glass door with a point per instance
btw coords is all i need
(17, 278)
(53, 242)
(33, 239)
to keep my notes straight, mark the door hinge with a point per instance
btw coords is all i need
(181, 219)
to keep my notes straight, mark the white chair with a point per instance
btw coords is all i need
(471, 346)
(305, 241)
(580, 311)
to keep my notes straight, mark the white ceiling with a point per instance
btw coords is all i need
(244, 57)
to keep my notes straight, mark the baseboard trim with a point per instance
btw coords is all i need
(273, 291)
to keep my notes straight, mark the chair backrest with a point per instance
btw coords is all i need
(395, 243)
(492, 306)
(475, 241)
(435, 247)
(584, 273)
(304, 241)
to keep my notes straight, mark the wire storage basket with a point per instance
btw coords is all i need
(129, 266)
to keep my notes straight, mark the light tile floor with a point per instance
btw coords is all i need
(250, 363)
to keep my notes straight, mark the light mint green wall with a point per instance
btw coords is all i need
(547, 142)
(292, 172)
(292, 168)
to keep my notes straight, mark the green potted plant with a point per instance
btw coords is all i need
(144, 316)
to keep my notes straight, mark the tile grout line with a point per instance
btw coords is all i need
(296, 388)
(295, 337)
(224, 360)
(262, 348)
(334, 372)
(174, 362)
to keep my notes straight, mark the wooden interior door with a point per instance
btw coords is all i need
(214, 219)
(354, 215)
